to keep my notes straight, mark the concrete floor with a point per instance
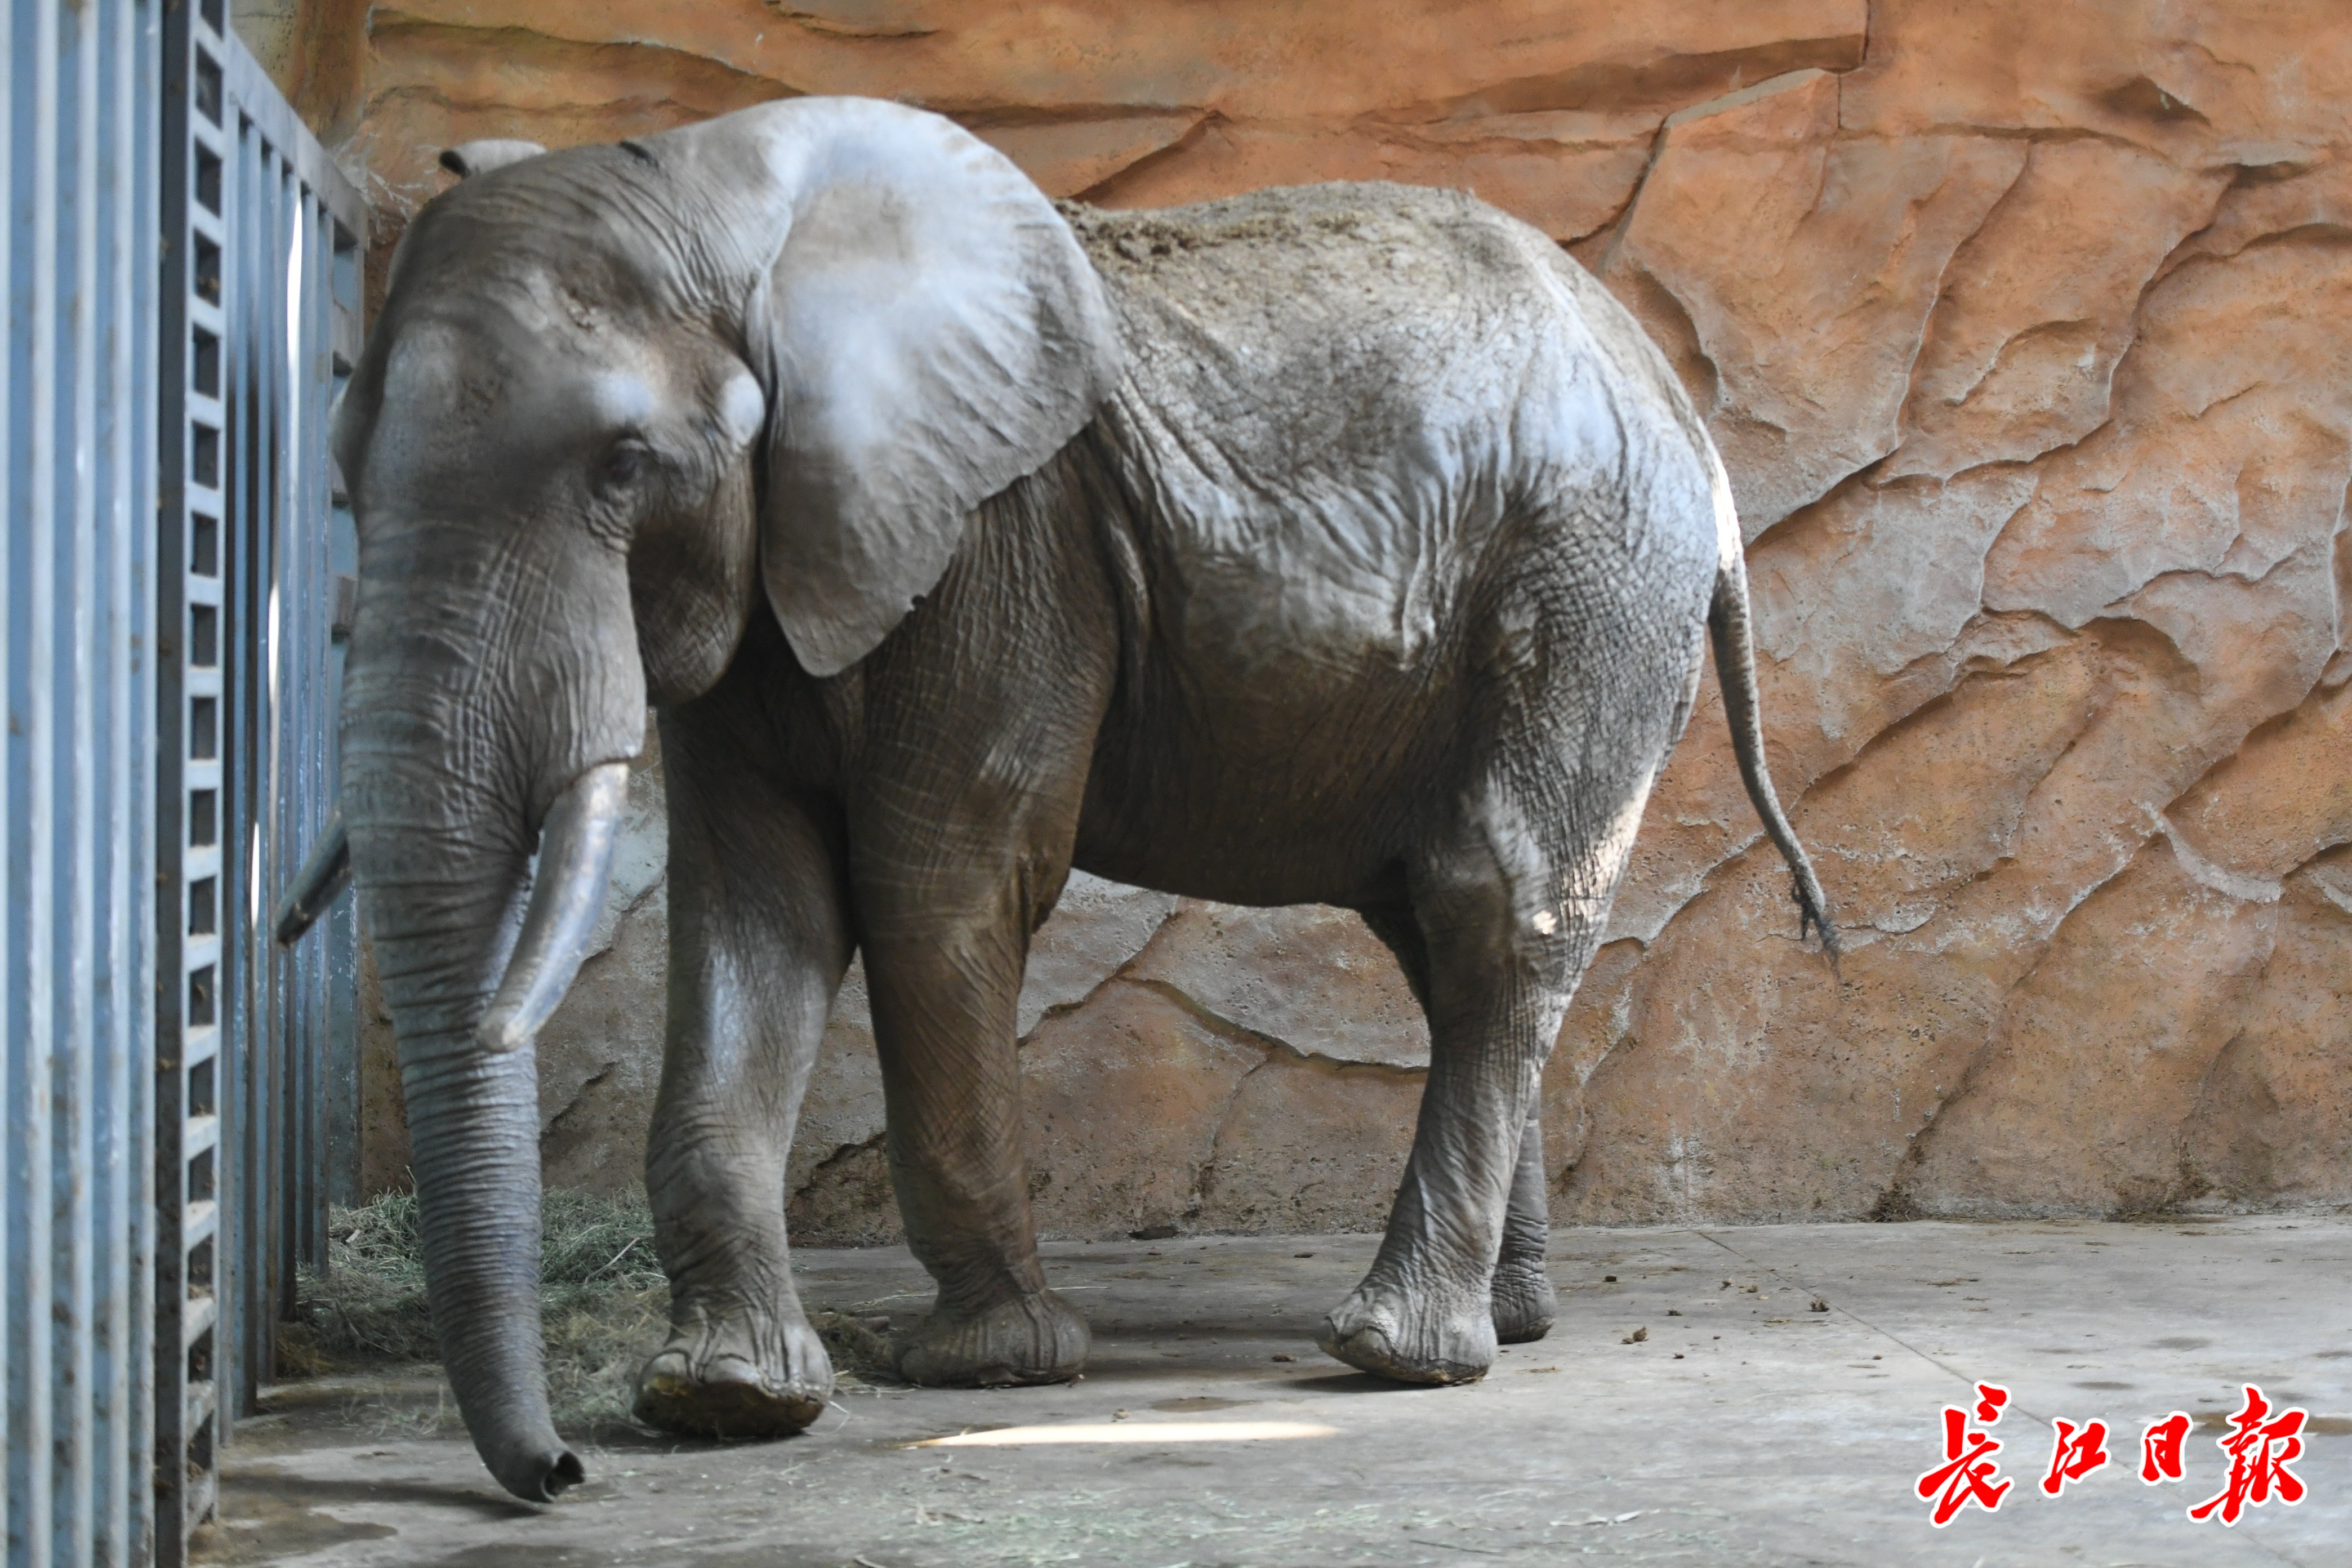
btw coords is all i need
(1748, 1429)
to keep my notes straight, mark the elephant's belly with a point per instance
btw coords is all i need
(1270, 780)
(1215, 857)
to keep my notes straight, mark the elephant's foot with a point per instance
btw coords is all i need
(1030, 1338)
(1523, 1301)
(721, 1378)
(1412, 1338)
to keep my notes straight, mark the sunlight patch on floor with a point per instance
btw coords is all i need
(1133, 1432)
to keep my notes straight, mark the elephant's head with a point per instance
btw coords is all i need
(618, 399)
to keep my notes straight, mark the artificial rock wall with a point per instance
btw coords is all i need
(2026, 332)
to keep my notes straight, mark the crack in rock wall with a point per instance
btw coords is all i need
(2026, 330)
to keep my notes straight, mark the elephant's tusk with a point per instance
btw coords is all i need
(575, 859)
(319, 883)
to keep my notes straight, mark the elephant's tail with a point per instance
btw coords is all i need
(1728, 625)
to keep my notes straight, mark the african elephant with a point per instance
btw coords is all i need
(1344, 544)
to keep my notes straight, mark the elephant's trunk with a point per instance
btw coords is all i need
(474, 1116)
(457, 745)
(441, 942)
(441, 925)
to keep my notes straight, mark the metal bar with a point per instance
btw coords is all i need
(254, 1254)
(244, 1176)
(340, 942)
(121, 1175)
(14, 113)
(31, 748)
(313, 627)
(237, 838)
(142, 71)
(295, 733)
(193, 825)
(263, 1246)
(14, 346)
(317, 625)
(74, 1045)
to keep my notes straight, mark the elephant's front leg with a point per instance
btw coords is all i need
(943, 962)
(758, 945)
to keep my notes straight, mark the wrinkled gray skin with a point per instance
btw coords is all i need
(1346, 544)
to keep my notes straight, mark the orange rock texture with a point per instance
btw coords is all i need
(2026, 332)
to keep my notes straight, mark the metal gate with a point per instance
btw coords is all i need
(78, 922)
(182, 268)
(259, 326)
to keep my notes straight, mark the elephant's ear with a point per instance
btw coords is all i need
(933, 332)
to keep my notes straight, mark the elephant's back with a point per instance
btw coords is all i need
(1331, 280)
(1348, 253)
(1337, 397)
(1314, 321)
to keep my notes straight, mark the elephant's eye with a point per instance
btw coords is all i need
(622, 464)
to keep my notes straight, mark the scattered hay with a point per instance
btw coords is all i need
(604, 1308)
(861, 1353)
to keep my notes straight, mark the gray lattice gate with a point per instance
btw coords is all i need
(260, 324)
(79, 918)
(182, 271)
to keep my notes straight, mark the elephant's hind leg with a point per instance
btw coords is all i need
(1522, 1300)
(1509, 904)
(758, 944)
